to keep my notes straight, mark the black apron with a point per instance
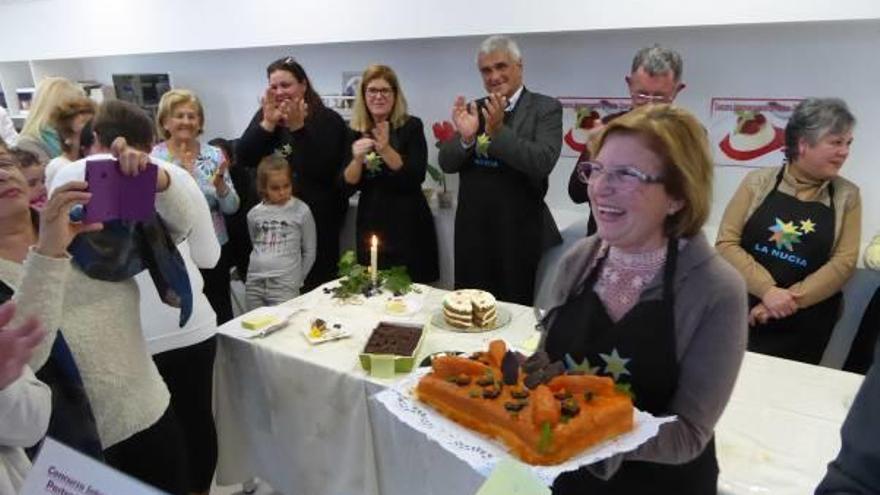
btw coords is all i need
(790, 255)
(640, 350)
(498, 227)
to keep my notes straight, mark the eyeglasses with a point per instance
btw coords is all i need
(626, 178)
(652, 98)
(374, 92)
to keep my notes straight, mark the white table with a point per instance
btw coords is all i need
(299, 416)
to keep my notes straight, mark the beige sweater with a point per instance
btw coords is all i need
(101, 323)
(829, 278)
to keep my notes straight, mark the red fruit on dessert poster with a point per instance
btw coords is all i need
(582, 116)
(749, 132)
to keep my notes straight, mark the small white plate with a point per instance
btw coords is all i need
(328, 335)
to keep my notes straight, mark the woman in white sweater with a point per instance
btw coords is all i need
(138, 430)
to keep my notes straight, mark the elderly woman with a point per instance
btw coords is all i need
(648, 302)
(388, 162)
(793, 233)
(295, 123)
(180, 121)
(138, 429)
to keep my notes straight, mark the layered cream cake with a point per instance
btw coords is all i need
(467, 308)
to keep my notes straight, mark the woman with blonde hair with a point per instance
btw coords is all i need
(648, 302)
(179, 123)
(38, 136)
(388, 162)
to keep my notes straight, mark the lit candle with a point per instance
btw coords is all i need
(374, 259)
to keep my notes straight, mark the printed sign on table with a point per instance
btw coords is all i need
(581, 114)
(749, 132)
(62, 470)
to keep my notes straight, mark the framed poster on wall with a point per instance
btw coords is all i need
(582, 114)
(749, 132)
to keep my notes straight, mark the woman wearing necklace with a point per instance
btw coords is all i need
(180, 121)
(793, 233)
(648, 302)
(388, 162)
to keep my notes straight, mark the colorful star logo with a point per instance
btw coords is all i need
(584, 366)
(784, 234)
(614, 364)
(483, 142)
(807, 226)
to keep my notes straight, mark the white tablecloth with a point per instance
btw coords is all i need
(299, 416)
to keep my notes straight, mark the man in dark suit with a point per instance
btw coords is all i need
(508, 143)
(655, 77)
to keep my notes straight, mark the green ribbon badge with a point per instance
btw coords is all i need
(483, 142)
(373, 162)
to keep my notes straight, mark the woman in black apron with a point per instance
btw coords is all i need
(797, 238)
(645, 349)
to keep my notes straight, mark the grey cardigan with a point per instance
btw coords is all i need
(711, 330)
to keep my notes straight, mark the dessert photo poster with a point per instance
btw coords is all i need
(580, 114)
(749, 132)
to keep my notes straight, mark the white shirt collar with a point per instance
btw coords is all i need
(513, 99)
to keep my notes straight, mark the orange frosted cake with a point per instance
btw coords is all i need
(543, 415)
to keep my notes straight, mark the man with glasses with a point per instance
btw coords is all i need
(507, 144)
(655, 77)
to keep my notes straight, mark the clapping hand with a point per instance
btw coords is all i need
(17, 343)
(361, 147)
(273, 113)
(380, 136)
(219, 179)
(466, 120)
(295, 112)
(493, 113)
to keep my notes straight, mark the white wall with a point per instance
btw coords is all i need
(31, 29)
(811, 59)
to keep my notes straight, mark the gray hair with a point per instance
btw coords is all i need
(657, 60)
(812, 119)
(500, 43)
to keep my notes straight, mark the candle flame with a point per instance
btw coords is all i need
(374, 241)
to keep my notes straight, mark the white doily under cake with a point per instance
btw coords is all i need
(482, 453)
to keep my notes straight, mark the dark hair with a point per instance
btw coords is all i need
(25, 158)
(227, 146)
(289, 64)
(86, 138)
(117, 118)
